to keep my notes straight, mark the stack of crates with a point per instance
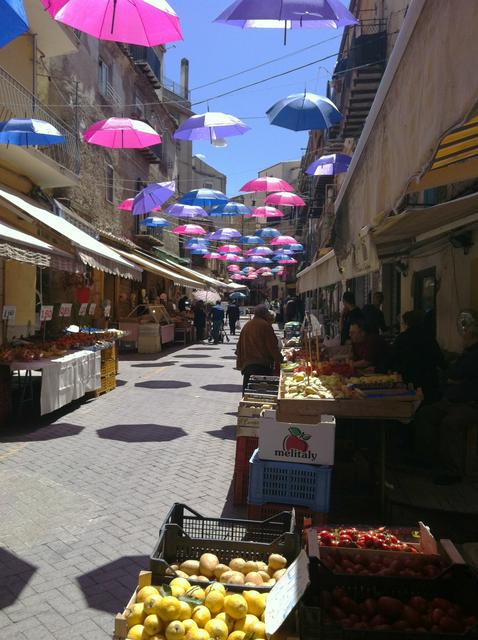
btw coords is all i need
(292, 467)
(108, 370)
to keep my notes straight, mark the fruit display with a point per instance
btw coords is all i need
(374, 381)
(379, 538)
(303, 384)
(250, 573)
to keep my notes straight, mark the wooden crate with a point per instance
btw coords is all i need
(121, 626)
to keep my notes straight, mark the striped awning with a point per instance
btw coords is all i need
(461, 144)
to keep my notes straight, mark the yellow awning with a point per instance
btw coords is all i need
(158, 267)
(460, 145)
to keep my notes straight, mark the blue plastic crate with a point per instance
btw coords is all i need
(304, 485)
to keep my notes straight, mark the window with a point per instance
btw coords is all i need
(207, 185)
(110, 184)
(105, 76)
(139, 111)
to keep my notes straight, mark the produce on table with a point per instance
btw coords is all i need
(310, 386)
(376, 380)
(379, 538)
(416, 614)
(250, 573)
(180, 611)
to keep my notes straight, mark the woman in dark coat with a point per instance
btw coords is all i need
(200, 319)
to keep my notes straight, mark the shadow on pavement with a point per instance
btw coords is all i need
(141, 433)
(204, 349)
(228, 357)
(226, 433)
(231, 413)
(120, 383)
(16, 573)
(230, 510)
(162, 384)
(194, 355)
(203, 366)
(47, 432)
(225, 388)
(157, 364)
(105, 588)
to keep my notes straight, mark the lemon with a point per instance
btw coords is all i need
(189, 624)
(197, 634)
(152, 624)
(256, 602)
(135, 615)
(146, 592)
(168, 608)
(137, 633)
(237, 635)
(259, 630)
(236, 607)
(227, 619)
(175, 630)
(151, 604)
(216, 586)
(185, 611)
(214, 601)
(180, 582)
(217, 629)
(246, 624)
(196, 592)
(201, 615)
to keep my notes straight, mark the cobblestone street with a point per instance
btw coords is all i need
(82, 497)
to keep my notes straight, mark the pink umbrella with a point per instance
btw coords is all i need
(263, 270)
(126, 205)
(189, 230)
(288, 261)
(252, 276)
(121, 133)
(229, 248)
(231, 257)
(233, 268)
(283, 240)
(266, 212)
(267, 185)
(237, 277)
(144, 22)
(284, 199)
(212, 256)
(267, 274)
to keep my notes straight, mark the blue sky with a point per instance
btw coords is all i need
(216, 50)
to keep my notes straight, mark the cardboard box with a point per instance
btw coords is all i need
(149, 344)
(303, 443)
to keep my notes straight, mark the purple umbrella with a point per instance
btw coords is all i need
(259, 260)
(225, 234)
(260, 251)
(152, 196)
(213, 126)
(186, 211)
(329, 165)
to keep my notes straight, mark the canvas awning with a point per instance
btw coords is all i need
(91, 252)
(321, 273)
(158, 267)
(200, 277)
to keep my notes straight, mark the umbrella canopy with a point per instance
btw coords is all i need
(230, 257)
(121, 133)
(229, 248)
(225, 234)
(28, 132)
(263, 270)
(152, 196)
(329, 165)
(143, 22)
(267, 185)
(213, 255)
(303, 112)
(281, 240)
(267, 232)
(237, 277)
(13, 19)
(211, 295)
(230, 209)
(260, 251)
(267, 274)
(259, 260)
(252, 276)
(186, 211)
(248, 270)
(250, 240)
(126, 205)
(204, 198)
(210, 126)
(267, 212)
(296, 247)
(284, 199)
(237, 295)
(282, 255)
(196, 243)
(189, 230)
(155, 222)
(288, 260)
(199, 251)
(232, 267)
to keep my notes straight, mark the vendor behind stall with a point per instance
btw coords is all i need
(369, 350)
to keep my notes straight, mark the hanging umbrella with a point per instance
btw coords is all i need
(143, 22)
(267, 274)
(28, 132)
(329, 165)
(189, 230)
(213, 126)
(196, 243)
(250, 240)
(281, 255)
(277, 270)
(266, 185)
(211, 295)
(281, 240)
(284, 199)
(13, 19)
(304, 112)
(154, 195)
(213, 255)
(233, 268)
(288, 260)
(121, 133)
(237, 295)
(248, 270)
(229, 248)
(200, 251)
(230, 209)
(259, 260)
(153, 221)
(126, 205)
(186, 211)
(263, 270)
(237, 277)
(267, 232)
(267, 212)
(225, 234)
(260, 251)
(252, 276)
(296, 247)
(203, 198)
(230, 257)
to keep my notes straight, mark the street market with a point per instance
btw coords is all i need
(238, 391)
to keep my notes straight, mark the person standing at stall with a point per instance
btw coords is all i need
(351, 314)
(373, 314)
(200, 320)
(216, 315)
(233, 314)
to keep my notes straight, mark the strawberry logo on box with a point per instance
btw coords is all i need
(295, 445)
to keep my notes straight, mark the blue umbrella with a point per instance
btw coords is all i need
(237, 295)
(304, 112)
(179, 210)
(28, 132)
(329, 165)
(203, 198)
(259, 260)
(196, 243)
(13, 19)
(199, 251)
(152, 197)
(282, 255)
(296, 248)
(153, 221)
(230, 209)
(250, 240)
(277, 269)
(268, 232)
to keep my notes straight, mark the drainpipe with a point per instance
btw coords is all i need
(34, 70)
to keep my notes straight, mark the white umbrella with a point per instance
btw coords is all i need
(211, 295)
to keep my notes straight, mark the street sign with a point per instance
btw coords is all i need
(65, 310)
(46, 312)
(9, 312)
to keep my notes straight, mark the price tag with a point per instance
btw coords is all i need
(65, 310)
(107, 311)
(46, 312)
(92, 308)
(82, 309)
(9, 312)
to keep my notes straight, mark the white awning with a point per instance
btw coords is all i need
(321, 273)
(90, 251)
(201, 277)
(158, 267)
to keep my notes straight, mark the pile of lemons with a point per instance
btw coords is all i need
(194, 613)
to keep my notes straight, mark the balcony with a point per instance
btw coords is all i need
(154, 154)
(48, 167)
(173, 92)
(146, 59)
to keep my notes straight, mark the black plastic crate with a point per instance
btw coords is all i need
(186, 535)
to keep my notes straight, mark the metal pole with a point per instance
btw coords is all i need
(34, 71)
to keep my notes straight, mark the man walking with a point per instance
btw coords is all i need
(233, 313)
(257, 348)
(216, 315)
